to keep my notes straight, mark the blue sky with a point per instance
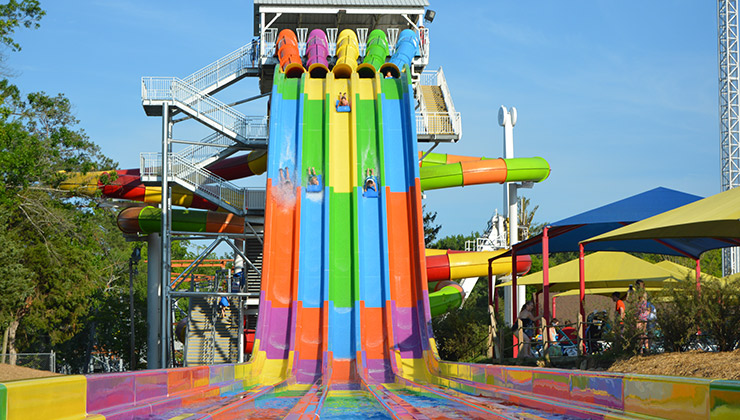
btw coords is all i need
(619, 97)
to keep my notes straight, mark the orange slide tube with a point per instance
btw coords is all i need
(288, 54)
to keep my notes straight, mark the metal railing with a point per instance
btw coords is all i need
(438, 123)
(204, 108)
(201, 181)
(211, 145)
(230, 66)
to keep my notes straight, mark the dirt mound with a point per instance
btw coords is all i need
(11, 373)
(697, 364)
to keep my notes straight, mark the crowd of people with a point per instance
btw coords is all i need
(645, 311)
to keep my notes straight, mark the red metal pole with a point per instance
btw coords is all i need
(513, 285)
(513, 300)
(490, 282)
(582, 285)
(553, 307)
(546, 273)
(698, 275)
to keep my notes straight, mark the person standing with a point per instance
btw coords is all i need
(619, 307)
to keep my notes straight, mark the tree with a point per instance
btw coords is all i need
(66, 243)
(526, 218)
(462, 333)
(14, 14)
(430, 229)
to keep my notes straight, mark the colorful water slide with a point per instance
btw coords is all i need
(406, 48)
(288, 54)
(127, 185)
(375, 54)
(348, 51)
(317, 50)
(149, 220)
(443, 171)
(345, 303)
(444, 265)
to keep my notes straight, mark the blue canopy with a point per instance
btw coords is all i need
(564, 235)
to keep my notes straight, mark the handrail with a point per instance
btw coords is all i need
(227, 66)
(205, 106)
(211, 144)
(204, 182)
(438, 123)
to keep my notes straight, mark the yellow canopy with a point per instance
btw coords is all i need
(603, 270)
(683, 271)
(713, 222)
(604, 291)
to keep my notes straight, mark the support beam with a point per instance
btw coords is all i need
(165, 269)
(153, 299)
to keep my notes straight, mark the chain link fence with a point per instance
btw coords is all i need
(40, 361)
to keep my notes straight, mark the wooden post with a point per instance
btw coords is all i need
(545, 336)
(580, 335)
(493, 343)
(520, 335)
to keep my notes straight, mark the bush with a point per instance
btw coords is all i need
(679, 314)
(720, 312)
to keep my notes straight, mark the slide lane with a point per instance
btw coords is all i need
(343, 253)
(374, 342)
(313, 282)
(273, 349)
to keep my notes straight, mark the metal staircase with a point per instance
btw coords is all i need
(437, 119)
(226, 70)
(210, 339)
(233, 130)
(204, 183)
(157, 91)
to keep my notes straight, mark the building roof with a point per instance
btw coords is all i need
(347, 14)
(339, 3)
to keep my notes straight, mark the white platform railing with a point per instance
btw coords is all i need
(228, 67)
(212, 145)
(204, 107)
(439, 123)
(203, 182)
(431, 123)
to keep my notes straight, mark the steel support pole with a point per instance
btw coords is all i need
(132, 343)
(512, 299)
(165, 233)
(153, 299)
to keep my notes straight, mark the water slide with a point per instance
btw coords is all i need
(344, 323)
(126, 184)
(444, 171)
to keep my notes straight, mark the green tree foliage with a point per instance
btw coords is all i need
(462, 333)
(430, 229)
(15, 14)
